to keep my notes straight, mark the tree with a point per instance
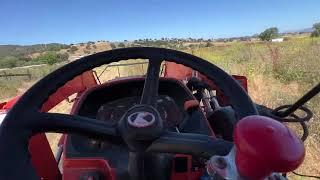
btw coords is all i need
(316, 26)
(316, 31)
(121, 45)
(269, 34)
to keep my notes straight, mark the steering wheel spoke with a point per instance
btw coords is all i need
(188, 143)
(150, 89)
(63, 123)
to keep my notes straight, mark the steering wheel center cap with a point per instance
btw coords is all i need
(141, 122)
(141, 119)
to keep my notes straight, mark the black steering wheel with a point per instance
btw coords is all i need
(142, 135)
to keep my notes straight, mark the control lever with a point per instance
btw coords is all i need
(263, 148)
(264, 145)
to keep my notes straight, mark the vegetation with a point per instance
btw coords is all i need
(269, 34)
(51, 58)
(20, 51)
(113, 46)
(14, 55)
(316, 31)
(121, 45)
(74, 48)
(9, 62)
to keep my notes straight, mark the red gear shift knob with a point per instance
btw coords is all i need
(264, 145)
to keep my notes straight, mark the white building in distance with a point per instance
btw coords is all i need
(277, 40)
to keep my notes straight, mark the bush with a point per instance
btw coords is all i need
(73, 49)
(113, 46)
(121, 45)
(51, 58)
(8, 62)
(86, 51)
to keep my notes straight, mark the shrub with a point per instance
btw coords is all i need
(73, 49)
(121, 45)
(113, 46)
(51, 58)
(8, 62)
(86, 51)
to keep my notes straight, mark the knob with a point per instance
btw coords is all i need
(264, 145)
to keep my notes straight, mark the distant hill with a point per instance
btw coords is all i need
(17, 55)
(305, 30)
(22, 51)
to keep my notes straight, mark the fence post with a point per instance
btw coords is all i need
(29, 74)
(118, 71)
(5, 75)
(142, 68)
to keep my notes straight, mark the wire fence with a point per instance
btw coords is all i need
(9, 76)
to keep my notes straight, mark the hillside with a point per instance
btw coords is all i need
(23, 51)
(16, 55)
(82, 49)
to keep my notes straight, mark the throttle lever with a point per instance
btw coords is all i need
(264, 145)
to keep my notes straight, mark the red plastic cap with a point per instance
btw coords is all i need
(8, 105)
(264, 145)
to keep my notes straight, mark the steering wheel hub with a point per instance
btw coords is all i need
(140, 123)
(141, 119)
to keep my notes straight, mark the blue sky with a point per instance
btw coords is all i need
(72, 21)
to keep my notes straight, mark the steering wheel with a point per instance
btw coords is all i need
(140, 127)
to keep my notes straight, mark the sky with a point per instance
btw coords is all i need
(72, 21)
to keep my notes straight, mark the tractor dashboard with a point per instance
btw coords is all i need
(108, 102)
